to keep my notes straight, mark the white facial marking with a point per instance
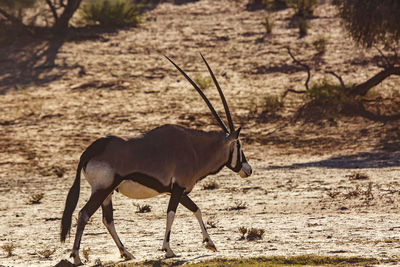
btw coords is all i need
(234, 156)
(99, 174)
(135, 190)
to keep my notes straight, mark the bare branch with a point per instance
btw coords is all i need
(292, 91)
(303, 65)
(53, 9)
(339, 78)
(11, 18)
(388, 63)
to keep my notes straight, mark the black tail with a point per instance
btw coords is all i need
(94, 149)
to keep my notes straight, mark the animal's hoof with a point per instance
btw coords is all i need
(170, 254)
(127, 256)
(211, 247)
(77, 260)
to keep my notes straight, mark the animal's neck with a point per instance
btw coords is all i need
(211, 151)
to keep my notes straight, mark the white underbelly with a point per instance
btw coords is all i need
(135, 190)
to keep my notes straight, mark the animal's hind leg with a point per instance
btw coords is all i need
(108, 221)
(85, 213)
(190, 205)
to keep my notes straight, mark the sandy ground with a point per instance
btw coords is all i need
(325, 188)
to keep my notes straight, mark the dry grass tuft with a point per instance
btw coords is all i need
(86, 254)
(36, 198)
(239, 205)
(252, 233)
(143, 208)
(46, 254)
(358, 176)
(8, 248)
(211, 185)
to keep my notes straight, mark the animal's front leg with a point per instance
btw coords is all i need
(176, 195)
(189, 204)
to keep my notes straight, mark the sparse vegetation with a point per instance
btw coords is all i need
(239, 205)
(8, 248)
(271, 104)
(211, 223)
(203, 82)
(252, 233)
(85, 253)
(320, 44)
(46, 253)
(358, 176)
(143, 208)
(211, 185)
(301, 260)
(110, 13)
(303, 27)
(329, 99)
(303, 8)
(268, 23)
(36, 198)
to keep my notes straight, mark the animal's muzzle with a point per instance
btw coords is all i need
(245, 171)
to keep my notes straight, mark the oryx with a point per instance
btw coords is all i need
(169, 159)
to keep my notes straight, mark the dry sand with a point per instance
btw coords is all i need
(325, 188)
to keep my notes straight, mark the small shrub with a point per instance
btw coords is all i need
(8, 248)
(320, 45)
(242, 231)
(330, 99)
(274, 5)
(143, 209)
(268, 24)
(303, 27)
(272, 104)
(36, 198)
(203, 82)
(358, 176)
(212, 224)
(303, 8)
(255, 234)
(110, 13)
(239, 205)
(46, 254)
(252, 233)
(86, 254)
(211, 185)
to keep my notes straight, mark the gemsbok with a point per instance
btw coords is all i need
(168, 159)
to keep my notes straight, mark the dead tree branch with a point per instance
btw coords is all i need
(303, 65)
(339, 78)
(53, 9)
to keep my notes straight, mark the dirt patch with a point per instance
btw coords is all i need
(59, 96)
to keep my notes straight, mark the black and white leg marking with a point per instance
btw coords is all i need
(190, 205)
(94, 202)
(108, 221)
(176, 195)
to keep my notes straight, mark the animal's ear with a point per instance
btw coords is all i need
(233, 136)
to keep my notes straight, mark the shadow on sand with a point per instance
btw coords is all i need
(364, 160)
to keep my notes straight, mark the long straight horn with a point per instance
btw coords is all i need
(221, 94)
(220, 122)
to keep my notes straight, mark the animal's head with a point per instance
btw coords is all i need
(237, 161)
